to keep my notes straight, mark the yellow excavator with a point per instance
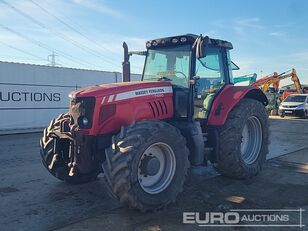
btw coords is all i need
(274, 80)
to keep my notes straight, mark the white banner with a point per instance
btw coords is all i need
(31, 96)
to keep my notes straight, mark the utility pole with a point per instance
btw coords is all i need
(52, 59)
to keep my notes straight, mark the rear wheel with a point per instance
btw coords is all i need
(244, 140)
(147, 165)
(305, 115)
(57, 163)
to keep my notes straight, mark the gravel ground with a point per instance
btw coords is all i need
(31, 199)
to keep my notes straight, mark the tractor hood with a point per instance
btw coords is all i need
(115, 88)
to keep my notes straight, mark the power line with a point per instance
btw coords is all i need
(58, 34)
(22, 51)
(72, 28)
(44, 46)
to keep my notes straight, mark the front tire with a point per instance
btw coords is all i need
(305, 115)
(147, 165)
(57, 163)
(244, 140)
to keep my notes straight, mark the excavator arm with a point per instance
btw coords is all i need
(296, 81)
(250, 78)
(274, 79)
(264, 82)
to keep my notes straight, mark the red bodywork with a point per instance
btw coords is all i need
(127, 102)
(120, 104)
(227, 99)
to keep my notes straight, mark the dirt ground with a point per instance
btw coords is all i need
(31, 199)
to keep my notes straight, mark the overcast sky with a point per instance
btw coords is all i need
(267, 35)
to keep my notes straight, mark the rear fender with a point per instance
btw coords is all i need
(228, 98)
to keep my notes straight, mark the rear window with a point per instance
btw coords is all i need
(295, 98)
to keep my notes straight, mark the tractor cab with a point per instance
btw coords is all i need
(198, 67)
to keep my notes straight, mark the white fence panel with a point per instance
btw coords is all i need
(31, 95)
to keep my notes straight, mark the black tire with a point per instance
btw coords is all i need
(121, 165)
(60, 167)
(305, 115)
(230, 161)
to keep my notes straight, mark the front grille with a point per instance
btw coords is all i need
(158, 108)
(290, 106)
(82, 107)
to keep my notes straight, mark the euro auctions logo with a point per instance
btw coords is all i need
(211, 218)
(247, 218)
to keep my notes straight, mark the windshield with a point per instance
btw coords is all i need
(295, 98)
(168, 64)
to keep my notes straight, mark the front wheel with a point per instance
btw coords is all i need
(244, 140)
(147, 165)
(305, 115)
(58, 163)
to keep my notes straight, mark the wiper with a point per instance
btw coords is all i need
(162, 78)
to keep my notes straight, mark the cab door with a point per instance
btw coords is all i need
(212, 70)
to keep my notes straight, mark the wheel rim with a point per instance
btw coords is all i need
(251, 140)
(156, 168)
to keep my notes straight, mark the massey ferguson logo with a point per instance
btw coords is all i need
(150, 91)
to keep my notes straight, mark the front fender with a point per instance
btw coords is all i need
(228, 97)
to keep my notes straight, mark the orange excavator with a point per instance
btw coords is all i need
(274, 80)
(296, 82)
(263, 82)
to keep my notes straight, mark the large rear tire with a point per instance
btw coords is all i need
(57, 163)
(147, 165)
(244, 140)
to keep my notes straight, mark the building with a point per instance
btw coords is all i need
(292, 87)
(32, 95)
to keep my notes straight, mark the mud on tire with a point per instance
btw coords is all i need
(122, 164)
(230, 161)
(60, 167)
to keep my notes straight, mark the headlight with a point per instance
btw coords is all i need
(85, 121)
(82, 109)
(301, 106)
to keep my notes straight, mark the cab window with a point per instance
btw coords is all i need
(211, 71)
(168, 64)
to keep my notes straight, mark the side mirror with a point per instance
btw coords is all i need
(201, 45)
(234, 66)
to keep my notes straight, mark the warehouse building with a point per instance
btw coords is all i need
(32, 95)
(292, 87)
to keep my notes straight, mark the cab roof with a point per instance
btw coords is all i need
(186, 39)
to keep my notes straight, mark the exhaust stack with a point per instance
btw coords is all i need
(126, 65)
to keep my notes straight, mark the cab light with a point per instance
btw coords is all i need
(183, 39)
(174, 40)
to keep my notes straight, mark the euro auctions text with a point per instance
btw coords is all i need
(246, 217)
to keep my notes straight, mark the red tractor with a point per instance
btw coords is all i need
(143, 136)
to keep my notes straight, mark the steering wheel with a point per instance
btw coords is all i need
(183, 75)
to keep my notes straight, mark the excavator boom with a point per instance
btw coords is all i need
(274, 79)
(250, 78)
